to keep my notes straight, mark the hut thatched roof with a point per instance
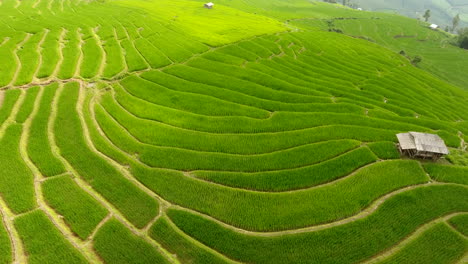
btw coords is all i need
(422, 142)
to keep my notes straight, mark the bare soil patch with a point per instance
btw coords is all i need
(2, 95)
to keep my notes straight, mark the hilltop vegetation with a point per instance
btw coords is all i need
(254, 132)
(442, 11)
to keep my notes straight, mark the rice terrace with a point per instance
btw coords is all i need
(241, 131)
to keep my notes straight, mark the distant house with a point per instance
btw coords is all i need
(434, 26)
(359, 9)
(209, 5)
(422, 145)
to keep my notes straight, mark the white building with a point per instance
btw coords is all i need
(434, 26)
(209, 5)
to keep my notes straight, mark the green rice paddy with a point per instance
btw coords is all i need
(164, 132)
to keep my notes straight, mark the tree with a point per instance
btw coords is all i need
(427, 15)
(455, 22)
(463, 38)
(345, 2)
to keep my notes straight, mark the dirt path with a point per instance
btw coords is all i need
(61, 46)
(17, 59)
(100, 43)
(56, 219)
(39, 49)
(463, 260)
(2, 97)
(17, 250)
(198, 243)
(121, 53)
(36, 3)
(11, 118)
(396, 248)
(368, 211)
(80, 57)
(142, 233)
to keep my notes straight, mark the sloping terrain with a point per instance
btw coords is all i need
(163, 132)
(442, 11)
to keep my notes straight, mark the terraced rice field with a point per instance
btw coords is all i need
(163, 132)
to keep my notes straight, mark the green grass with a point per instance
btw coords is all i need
(38, 147)
(116, 244)
(394, 220)
(5, 246)
(224, 24)
(250, 113)
(17, 191)
(252, 210)
(50, 54)
(28, 104)
(43, 243)
(438, 245)
(444, 173)
(70, 55)
(458, 157)
(8, 64)
(188, 102)
(11, 97)
(29, 58)
(92, 57)
(80, 211)
(174, 240)
(151, 53)
(133, 59)
(460, 222)
(115, 62)
(133, 203)
(283, 180)
(385, 150)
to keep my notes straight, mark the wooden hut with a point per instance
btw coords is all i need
(209, 5)
(422, 145)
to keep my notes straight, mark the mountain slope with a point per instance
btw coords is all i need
(163, 132)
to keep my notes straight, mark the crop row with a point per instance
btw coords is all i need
(256, 207)
(92, 57)
(49, 54)
(134, 204)
(350, 243)
(444, 173)
(70, 53)
(9, 100)
(283, 180)
(27, 105)
(460, 223)
(279, 121)
(116, 244)
(43, 243)
(16, 180)
(7, 64)
(252, 210)
(28, 56)
(156, 133)
(39, 146)
(186, 159)
(165, 233)
(242, 93)
(81, 212)
(439, 244)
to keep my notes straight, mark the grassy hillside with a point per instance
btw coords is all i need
(407, 36)
(164, 132)
(442, 11)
